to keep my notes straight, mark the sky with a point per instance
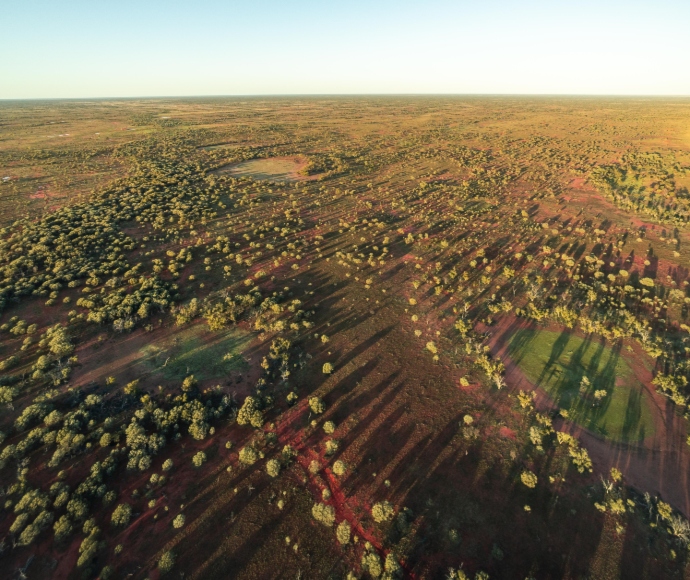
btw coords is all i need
(138, 48)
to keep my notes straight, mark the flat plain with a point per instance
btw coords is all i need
(401, 337)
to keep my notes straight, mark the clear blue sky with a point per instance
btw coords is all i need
(107, 48)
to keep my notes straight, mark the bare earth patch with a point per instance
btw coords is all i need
(272, 169)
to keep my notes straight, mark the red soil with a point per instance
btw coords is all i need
(341, 503)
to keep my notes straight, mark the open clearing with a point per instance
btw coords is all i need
(558, 363)
(197, 352)
(278, 169)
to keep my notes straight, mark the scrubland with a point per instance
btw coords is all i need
(345, 338)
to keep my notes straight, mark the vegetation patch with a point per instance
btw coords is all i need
(199, 352)
(590, 381)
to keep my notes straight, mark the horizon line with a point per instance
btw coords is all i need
(332, 95)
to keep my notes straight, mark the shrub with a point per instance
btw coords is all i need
(317, 405)
(88, 548)
(342, 532)
(199, 430)
(178, 522)
(324, 514)
(665, 510)
(131, 388)
(166, 562)
(273, 467)
(392, 566)
(329, 427)
(121, 514)
(382, 511)
(199, 459)
(529, 479)
(77, 509)
(289, 452)
(372, 564)
(327, 368)
(53, 418)
(89, 526)
(339, 468)
(144, 462)
(188, 383)
(167, 465)
(20, 523)
(32, 531)
(8, 363)
(250, 414)
(7, 395)
(248, 455)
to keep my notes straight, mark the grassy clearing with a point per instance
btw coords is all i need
(198, 352)
(278, 169)
(558, 362)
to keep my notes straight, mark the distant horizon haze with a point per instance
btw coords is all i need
(74, 49)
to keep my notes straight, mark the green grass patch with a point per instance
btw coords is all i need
(199, 352)
(558, 361)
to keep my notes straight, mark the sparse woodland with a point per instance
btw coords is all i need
(217, 375)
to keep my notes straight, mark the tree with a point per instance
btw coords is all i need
(529, 479)
(199, 459)
(32, 531)
(342, 532)
(372, 564)
(273, 467)
(250, 414)
(324, 514)
(248, 455)
(178, 522)
(664, 510)
(317, 405)
(166, 562)
(88, 547)
(121, 514)
(289, 453)
(382, 511)
(188, 383)
(77, 509)
(392, 566)
(132, 387)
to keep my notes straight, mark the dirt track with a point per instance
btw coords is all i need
(659, 466)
